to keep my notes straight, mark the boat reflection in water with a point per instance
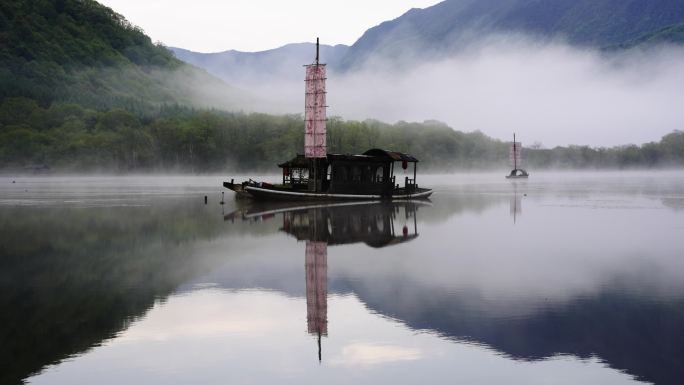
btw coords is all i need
(376, 224)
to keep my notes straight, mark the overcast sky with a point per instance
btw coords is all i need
(256, 25)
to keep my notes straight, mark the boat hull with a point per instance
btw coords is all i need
(240, 192)
(273, 194)
(518, 173)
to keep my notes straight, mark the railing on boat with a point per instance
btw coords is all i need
(295, 180)
(410, 185)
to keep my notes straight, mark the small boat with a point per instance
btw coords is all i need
(515, 157)
(319, 175)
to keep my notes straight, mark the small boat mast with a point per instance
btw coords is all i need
(515, 157)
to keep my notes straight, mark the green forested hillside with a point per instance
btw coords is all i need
(83, 52)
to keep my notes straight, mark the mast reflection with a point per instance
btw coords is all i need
(515, 204)
(373, 223)
(316, 271)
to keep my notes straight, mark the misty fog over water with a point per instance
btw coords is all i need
(571, 276)
(548, 92)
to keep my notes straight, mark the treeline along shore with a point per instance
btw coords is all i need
(64, 137)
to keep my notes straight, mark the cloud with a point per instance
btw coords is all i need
(549, 92)
(367, 354)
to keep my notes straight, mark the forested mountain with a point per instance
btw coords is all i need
(275, 65)
(81, 51)
(451, 24)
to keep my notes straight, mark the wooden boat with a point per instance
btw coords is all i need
(515, 156)
(318, 175)
(369, 176)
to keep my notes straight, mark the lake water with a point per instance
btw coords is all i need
(567, 278)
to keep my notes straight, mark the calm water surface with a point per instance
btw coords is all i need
(565, 278)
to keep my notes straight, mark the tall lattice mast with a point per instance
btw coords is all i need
(315, 134)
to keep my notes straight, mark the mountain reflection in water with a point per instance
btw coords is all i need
(582, 276)
(628, 328)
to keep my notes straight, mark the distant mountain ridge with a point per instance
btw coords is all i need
(673, 34)
(245, 68)
(449, 25)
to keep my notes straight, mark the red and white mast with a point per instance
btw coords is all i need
(315, 140)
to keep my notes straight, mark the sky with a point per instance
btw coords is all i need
(257, 25)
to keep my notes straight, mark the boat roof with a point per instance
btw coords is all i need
(375, 154)
(299, 161)
(355, 158)
(394, 155)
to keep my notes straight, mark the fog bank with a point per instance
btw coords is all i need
(550, 93)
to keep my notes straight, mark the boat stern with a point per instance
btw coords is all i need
(238, 188)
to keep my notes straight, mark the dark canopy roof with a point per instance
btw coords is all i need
(373, 155)
(355, 158)
(396, 156)
(299, 161)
